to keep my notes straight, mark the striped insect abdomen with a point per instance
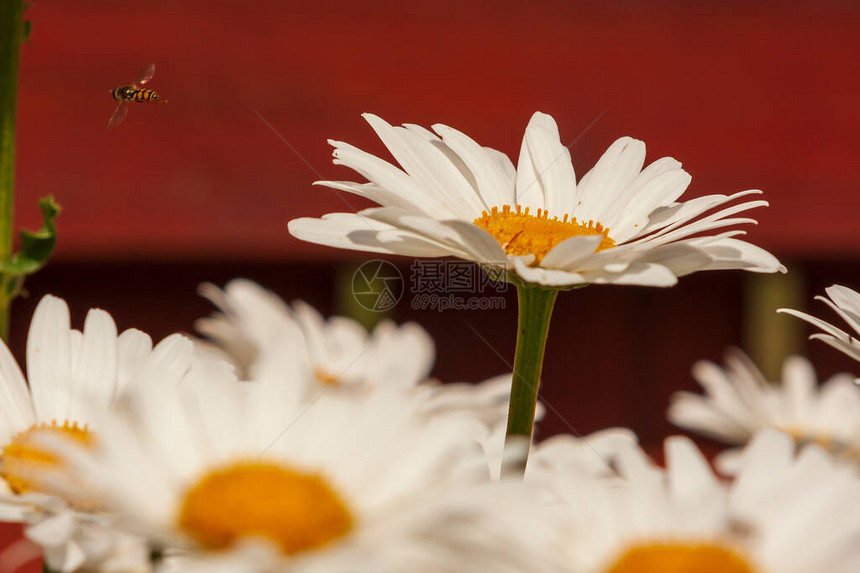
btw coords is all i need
(145, 95)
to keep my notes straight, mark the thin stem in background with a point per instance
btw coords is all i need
(11, 37)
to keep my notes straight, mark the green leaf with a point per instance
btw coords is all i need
(36, 246)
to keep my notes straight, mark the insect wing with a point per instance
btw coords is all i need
(118, 114)
(145, 75)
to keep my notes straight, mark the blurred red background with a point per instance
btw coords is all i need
(746, 95)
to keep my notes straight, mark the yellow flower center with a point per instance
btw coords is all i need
(295, 510)
(23, 452)
(803, 436)
(325, 377)
(523, 234)
(837, 447)
(680, 558)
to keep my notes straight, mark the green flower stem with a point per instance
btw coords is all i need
(11, 36)
(536, 304)
(5, 303)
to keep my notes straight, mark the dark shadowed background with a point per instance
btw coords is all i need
(746, 95)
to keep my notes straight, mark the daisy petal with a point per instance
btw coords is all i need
(133, 349)
(689, 474)
(389, 177)
(545, 177)
(690, 411)
(825, 326)
(546, 277)
(353, 231)
(735, 254)
(572, 251)
(428, 166)
(845, 298)
(49, 358)
(667, 219)
(169, 362)
(637, 273)
(845, 314)
(659, 185)
(95, 372)
(463, 239)
(681, 258)
(615, 170)
(852, 350)
(15, 402)
(379, 194)
(496, 186)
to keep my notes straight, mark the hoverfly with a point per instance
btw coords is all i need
(134, 92)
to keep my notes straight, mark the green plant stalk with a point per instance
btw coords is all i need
(5, 303)
(11, 37)
(535, 311)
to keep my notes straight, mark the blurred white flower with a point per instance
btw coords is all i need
(619, 224)
(846, 303)
(739, 401)
(786, 512)
(244, 480)
(267, 339)
(72, 373)
(255, 323)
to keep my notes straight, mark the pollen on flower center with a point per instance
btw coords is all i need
(803, 436)
(293, 509)
(523, 234)
(680, 558)
(23, 451)
(325, 377)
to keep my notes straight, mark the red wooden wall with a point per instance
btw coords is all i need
(761, 95)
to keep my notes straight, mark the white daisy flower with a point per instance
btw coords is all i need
(266, 338)
(71, 373)
(339, 351)
(240, 479)
(739, 401)
(786, 512)
(619, 223)
(846, 303)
